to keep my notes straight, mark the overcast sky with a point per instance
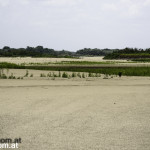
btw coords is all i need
(75, 24)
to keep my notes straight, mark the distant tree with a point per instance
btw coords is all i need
(6, 48)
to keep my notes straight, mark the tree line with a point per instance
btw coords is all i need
(40, 51)
(129, 53)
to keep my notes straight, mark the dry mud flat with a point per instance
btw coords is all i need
(69, 114)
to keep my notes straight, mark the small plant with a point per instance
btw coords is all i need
(54, 75)
(42, 75)
(3, 76)
(79, 75)
(69, 76)
(27, 73)
(120, 74)
(11, 76)
(31, 75)
(64, 75)
(59, 74)
(90, 74)
(105, 76)
(74, 75)
(83, 75)
(7, 71)
(49, 74)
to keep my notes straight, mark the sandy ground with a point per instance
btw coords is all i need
(52, 61)
(76, 114)
(19, 60)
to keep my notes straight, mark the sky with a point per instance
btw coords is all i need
(75, 24)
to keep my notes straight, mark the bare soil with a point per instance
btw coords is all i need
(76, 114)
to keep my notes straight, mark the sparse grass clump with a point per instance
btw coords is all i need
(54, 75)
(49, 74)
(27, 73)
(90, 74)
(83, 75)
(31, 75)
(11, 76)
(79, 75)
(64, 75)
(3, 76)
(105, 76)
(73, 75)
(59, 75)
(42, 75)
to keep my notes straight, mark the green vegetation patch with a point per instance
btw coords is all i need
(127, 71)
(11, 65)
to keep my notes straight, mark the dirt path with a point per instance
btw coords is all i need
(77, 115)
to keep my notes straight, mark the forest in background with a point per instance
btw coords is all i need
(40, 51)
